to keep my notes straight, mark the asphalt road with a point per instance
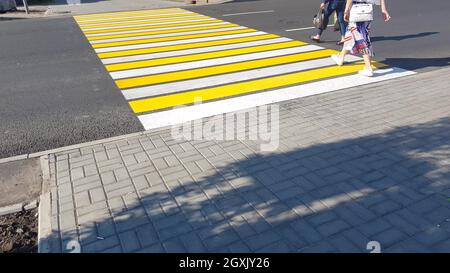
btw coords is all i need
(417, 37)
(55, 92)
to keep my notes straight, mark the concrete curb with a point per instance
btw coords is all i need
(44, 222)
(70, 147)
(18, 207)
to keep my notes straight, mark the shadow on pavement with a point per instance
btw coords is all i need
(391, 187)
(403, 37)
(417, 63)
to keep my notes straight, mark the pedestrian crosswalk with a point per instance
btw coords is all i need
(162, 59)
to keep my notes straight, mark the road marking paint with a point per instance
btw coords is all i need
(130, 33)
(216, 29)
(220, 92)
(304, 28)
(186, 114)
(111, 31)
(144, 22)
(186, 46)
(193, 51)
(139, 18)
(173, 38)
(128, 16)
(174, 87)
(201, 56)
(216, 62)
(181, 42)
(125, 13)
(166, 58)
(149, 25)
(222, 69)
(248, 13)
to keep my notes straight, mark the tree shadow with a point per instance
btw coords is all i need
(332, 197)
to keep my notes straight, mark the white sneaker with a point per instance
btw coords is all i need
(366, 72)
(339, 61)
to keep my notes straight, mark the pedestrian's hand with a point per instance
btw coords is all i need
(386, 16)
(346, 16)
(322, 6)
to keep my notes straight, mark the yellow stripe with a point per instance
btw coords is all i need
(150, 27)
(123, 13)
(185, 46)
(220, 69)
(207, 94)
(174, 38)
(115, 17)
(130, 23)
(134, 17)
(96, 38)
(201, 56)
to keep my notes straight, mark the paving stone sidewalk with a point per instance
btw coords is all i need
(353, 166)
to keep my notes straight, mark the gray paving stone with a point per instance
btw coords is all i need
(105, 228)
(77, 173)
(432, 236)
(263, 239)
(173, 246)
(239, 247)
(322, 247)
(374, 227)
(192, 243)
(344, 245)
(101, 245)
(352, 167)
(385, 207)
(147, 235)
(130, 219)
(333, 227)
(129, 241)
(389, 237)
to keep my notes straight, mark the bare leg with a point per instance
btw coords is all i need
(343, 53)
(367, 61)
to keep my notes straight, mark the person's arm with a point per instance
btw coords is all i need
(348, 7)
(322, 5)
(384, 10)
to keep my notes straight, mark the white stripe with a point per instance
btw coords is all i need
(154, 29)
(205, 63)
(246, 13)
(168, 21)
(168, 88)
(179, 42)
(304, 28)
(128, 16)
(166, 35)
(192, 51)
(184, 114)
(150, 24)
(137, 19)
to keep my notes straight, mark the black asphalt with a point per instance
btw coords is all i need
(55, 92)
(417, 37)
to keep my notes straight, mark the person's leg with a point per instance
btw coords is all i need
(327, 13)
(367, 61)
(342, 23)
